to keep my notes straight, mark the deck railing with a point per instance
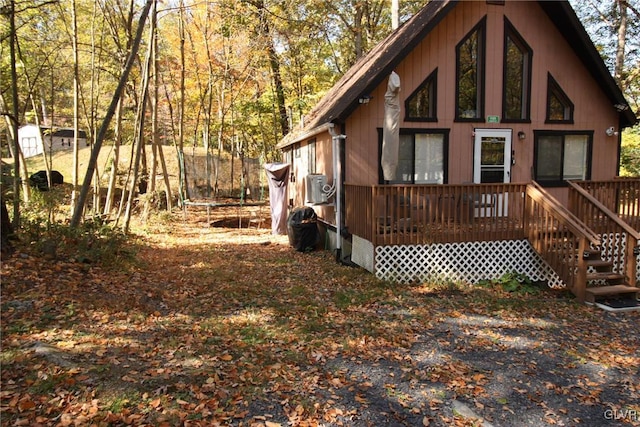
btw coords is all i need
(611, 210)
(621, 196)
(560, 238)
(420, 214)
(425, 214)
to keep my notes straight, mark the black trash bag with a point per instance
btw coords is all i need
(302, 229)
(39, 180)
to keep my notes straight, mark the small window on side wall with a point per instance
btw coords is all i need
(420, 106)
(559, 106)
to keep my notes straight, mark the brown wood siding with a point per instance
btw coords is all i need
(324, 165)
(551, 54)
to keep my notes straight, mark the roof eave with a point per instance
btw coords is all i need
(577, 36)
(381, 66)
(301, 135)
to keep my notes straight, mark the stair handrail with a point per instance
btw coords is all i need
(570, 220)
(605, 210)
(570, 263)
(632, 238)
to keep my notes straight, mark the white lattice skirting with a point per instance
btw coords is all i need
(613, 245)
(467, 261)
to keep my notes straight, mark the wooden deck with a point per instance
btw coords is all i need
(563, 235)
(419, 214)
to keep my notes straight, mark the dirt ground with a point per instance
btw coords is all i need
(215, 324)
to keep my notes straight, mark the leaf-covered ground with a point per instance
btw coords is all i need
(221, 326)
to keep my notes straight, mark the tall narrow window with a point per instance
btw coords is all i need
(470, 65)
(559, 106)
(421, 104)
(517, 76)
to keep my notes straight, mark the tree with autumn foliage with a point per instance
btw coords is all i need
(614, 27)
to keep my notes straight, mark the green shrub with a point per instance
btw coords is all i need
(512, 282)
(44, 229)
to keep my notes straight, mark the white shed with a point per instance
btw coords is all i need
(34, 140)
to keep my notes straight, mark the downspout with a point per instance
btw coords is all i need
(337, 180)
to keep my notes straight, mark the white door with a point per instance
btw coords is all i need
(491, 164)
(492, 156)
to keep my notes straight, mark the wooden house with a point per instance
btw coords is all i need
(35, 140)
(506, 151)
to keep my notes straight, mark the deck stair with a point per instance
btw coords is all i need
(605, 285)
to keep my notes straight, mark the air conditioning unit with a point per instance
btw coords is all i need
(314, 184)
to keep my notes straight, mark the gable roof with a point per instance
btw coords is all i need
(370, 70)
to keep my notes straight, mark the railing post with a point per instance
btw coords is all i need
(580, 285)
(374, 218)
(525, 214)
(630, 260)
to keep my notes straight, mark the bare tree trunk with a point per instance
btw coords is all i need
(165, 177)
(77, 214)
(138, 147)
(181, 108)
(358, 28)
(92, 107)
(6, 230)
(274, 62)
(76, 82)
(153, 64)
(14, 115)
(264, 31)
(17, 151)
(622, 38)
(206, 133)
(221, 128)
(47, 166)
(174, 139)
(115, 160)
(141, 122)
(125, 192)
(395, 19)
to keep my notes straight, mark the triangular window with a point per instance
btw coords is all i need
(420, 106)
(559, 106)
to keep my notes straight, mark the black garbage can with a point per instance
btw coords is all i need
(39, 180)
(302, 229)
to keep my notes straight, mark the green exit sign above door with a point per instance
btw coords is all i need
(493, 119)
